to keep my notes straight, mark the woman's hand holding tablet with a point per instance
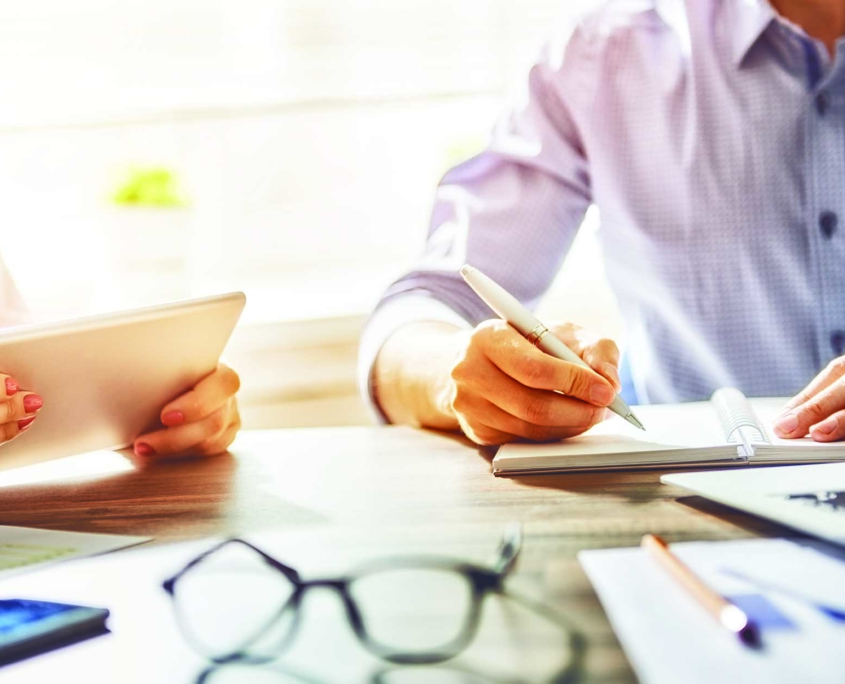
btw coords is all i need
(18, 408)
(148, 378)
(202, 422)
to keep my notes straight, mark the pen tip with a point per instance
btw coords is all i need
(635, 421)
(466, 269)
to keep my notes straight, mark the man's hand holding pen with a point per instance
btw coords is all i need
(504, 388)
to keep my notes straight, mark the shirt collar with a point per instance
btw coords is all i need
(747, 20)
(673, 13)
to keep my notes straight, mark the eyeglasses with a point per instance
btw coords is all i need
(237, 603)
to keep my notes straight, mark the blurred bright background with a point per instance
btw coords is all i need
(289, 148)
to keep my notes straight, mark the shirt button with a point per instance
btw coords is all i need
(827, 223)
(822, 102)
(837, 341)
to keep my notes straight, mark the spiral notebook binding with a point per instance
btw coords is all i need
(739, 421)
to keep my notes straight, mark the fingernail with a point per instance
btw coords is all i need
(601, 394)
(11, 387)
(32, 402)
(173, 418)
(827, 426)
(610, 371)
(24, 423)
(787, 423)
(144, 449)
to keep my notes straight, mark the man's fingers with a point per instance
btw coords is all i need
(495, 426)
(832, 372)
(581, 341)
(531, 367)
(501, 409)
(538, 407)
(504, 388)
(797, 421)
(600, 353)
(513, 425)
(185, 438)
(831, 429)
(482, 434)
(210, 393)
(603, 357)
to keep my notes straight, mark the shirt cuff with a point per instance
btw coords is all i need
(388, 318)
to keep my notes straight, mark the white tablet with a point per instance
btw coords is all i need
(104, 379)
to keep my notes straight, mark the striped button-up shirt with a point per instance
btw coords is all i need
(711, 136)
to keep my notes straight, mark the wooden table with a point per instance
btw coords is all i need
(417, 485)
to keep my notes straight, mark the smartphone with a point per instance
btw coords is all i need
(28, 628)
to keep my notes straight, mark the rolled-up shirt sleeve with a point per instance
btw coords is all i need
(512, 211)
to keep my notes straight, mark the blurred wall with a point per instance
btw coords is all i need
(306, 136)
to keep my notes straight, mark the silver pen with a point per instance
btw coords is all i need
(509, 309)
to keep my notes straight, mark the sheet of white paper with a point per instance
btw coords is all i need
(669, 638)
(24, 548)
(146, 645)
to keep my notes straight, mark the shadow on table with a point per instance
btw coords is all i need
(443, 674)
(450, 672)
(746, 521)
(108, 492)
(636, 487)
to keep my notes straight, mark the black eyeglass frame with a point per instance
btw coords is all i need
(482, 580)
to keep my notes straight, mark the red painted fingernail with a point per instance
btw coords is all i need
(24, 423)
(11, 387)
(144, 449)
(32, 402)
(173, 418)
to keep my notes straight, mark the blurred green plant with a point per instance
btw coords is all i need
(154, 186)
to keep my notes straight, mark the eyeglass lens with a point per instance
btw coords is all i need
(233, 602)
(414, 610)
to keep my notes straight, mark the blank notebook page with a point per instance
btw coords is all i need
(669, 428)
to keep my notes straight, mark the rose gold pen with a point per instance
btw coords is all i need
(727, 614)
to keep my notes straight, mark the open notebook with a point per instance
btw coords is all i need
(727, 430)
